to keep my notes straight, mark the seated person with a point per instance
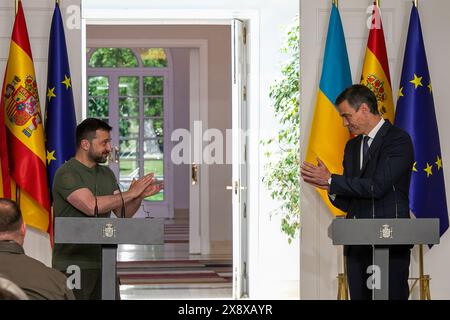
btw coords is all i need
(38, 281)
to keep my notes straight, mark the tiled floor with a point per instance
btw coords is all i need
(170, 272)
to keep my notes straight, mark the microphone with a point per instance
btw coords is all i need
(122, 209)
(393, 185)
(369, 155)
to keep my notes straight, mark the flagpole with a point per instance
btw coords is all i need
(421, 288)
(424, 284)
(342, 277)
(424, 279)
(16, 7)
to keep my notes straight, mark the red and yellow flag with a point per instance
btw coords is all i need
(375, 73)
(23, 156)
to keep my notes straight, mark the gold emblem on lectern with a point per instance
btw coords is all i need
(109, 231)
(386, 232)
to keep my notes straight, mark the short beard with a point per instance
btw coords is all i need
(97, 158)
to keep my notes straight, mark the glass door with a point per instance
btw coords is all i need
(133, 100)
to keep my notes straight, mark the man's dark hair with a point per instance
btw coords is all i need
(86, 129)
(10, 216)
(358, 94)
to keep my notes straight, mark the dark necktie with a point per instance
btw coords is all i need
(365, 147)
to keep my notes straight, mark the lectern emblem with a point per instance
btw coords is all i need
(386, 232)
(109, 231)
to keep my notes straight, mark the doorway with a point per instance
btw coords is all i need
(208, 232)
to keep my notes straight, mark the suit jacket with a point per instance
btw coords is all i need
(37, 280)
(369, 192)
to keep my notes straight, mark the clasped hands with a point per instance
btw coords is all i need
(316, 175)
(146, 186)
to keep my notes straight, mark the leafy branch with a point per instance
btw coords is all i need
(282, 169)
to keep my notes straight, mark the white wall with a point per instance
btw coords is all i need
(320, 261)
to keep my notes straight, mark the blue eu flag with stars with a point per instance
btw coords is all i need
(415, 113)
(60, 120)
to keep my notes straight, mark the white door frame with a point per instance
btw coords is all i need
(198, 192)
(199, 17)
(239, 155)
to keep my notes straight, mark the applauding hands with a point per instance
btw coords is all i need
(146, 186)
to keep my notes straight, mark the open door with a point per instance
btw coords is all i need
(239, 156)
(195, 239)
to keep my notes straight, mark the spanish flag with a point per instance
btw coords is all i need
(23, 155)
(375, 73)
(328, 135)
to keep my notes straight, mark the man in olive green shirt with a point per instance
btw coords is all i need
(84, 188)
(38, 281)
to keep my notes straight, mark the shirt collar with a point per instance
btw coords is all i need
(375, 130)
(11, 247)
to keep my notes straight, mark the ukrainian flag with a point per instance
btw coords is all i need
(328, 135)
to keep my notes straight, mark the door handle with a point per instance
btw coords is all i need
(235, 188)
(194, 174)
(114, 155)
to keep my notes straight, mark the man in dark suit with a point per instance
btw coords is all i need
(374, 184)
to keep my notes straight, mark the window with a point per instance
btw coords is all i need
(127, 87)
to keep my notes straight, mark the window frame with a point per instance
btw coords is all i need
(164, 207)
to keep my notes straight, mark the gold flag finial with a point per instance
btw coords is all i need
(416, 3)
(336, 2)
(16, 5)
(378, 3)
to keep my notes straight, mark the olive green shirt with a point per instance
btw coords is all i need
(37, 280)
(71, 176)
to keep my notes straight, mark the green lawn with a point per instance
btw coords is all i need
(157, 197)
(127, 166)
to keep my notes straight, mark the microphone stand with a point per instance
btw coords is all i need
(393, 186)
(122, 209)
(96, 205)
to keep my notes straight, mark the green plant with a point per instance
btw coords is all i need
(282, 171)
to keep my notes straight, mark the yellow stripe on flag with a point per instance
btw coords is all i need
(327, 141)
(374, 77)
(23, 65)
(32, 212)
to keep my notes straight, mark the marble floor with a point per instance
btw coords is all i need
(169, 272)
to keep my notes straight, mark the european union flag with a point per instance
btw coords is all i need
(415, 113)
(60, 120)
